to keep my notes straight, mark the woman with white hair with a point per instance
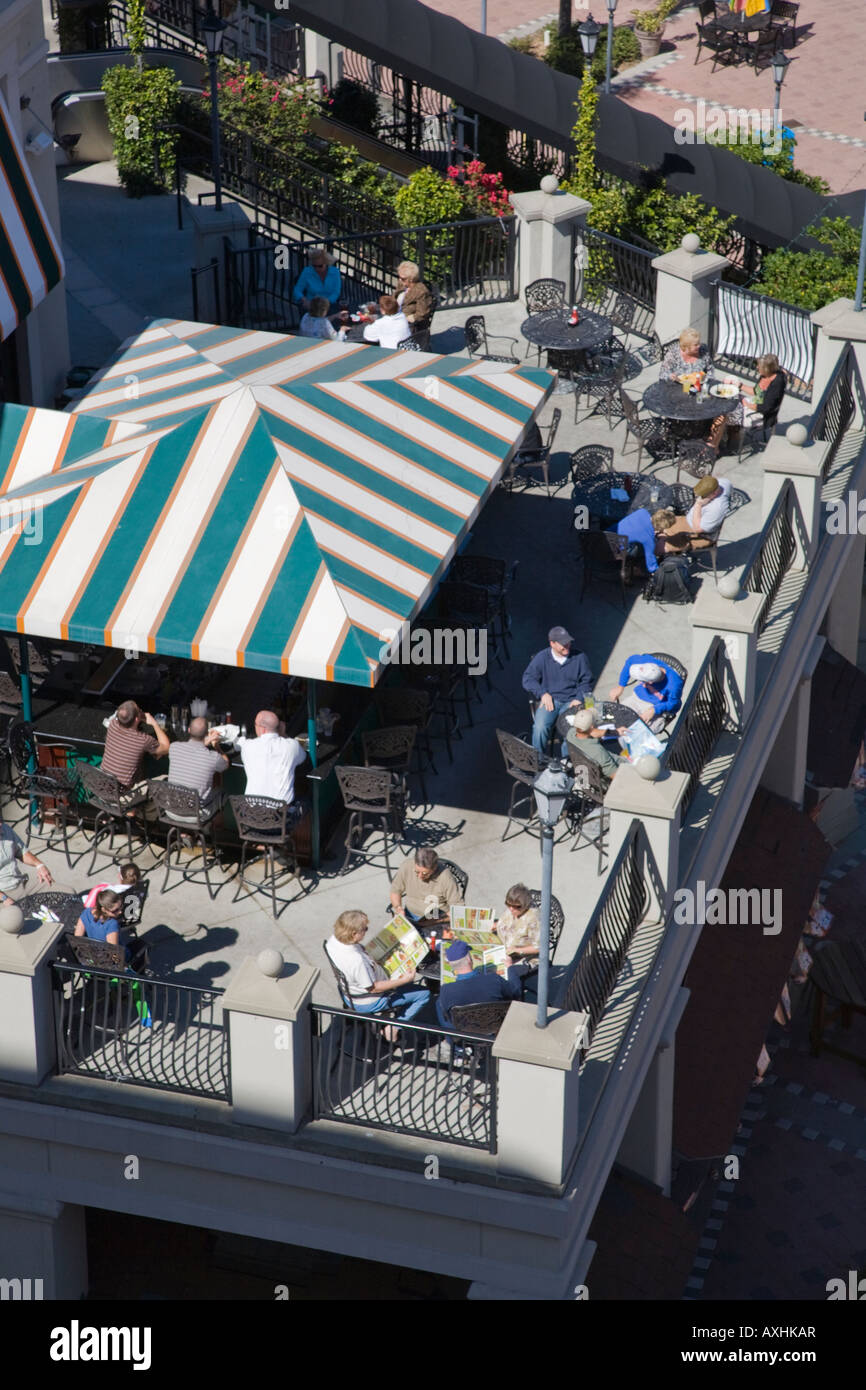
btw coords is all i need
(413, 296)
(319, 280)
(658, 689)
(688, 354)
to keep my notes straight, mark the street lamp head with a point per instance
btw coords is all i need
(551, 788)
(589, 32)
(780, 67)
(212, 27)
(611, 6)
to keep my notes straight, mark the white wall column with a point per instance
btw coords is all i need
(654, 799)
(43, 1249)
(731, 613)
(789, 456)
(842, 622)
(785, 768)
(211, 228)
(321, 56)
(546, 221)
(26, 1005)
(838, 325)
(267, 1005)
(683, 288)
(647, 1145)
(536, 1122)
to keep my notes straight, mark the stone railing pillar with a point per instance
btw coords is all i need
(267, 1005)
(43, 1249)
(211, 227)
(789, 456)
(546, 220)
(785, 769)
(838, 325)
(27, 1048)
(684, 287)
(653, 795)
(729, 612)
(647, 1146)
(536, 1123)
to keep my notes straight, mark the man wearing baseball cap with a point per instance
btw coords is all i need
(585, 737)
(472, 986)
(556, 677)
(658, 689)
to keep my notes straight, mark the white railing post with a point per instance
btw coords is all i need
(729, 612)
(790, 456)
(684, 288)
(838, 325)
(537, 1093)
(547, 218)
(27, 1048)
(267, 1012)
(653, 795)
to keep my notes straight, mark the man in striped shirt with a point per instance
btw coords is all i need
(126, 743)
(192, 764)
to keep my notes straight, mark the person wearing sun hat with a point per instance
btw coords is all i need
(472, 986)
(658, 689)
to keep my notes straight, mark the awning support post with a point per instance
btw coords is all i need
(311, 741)
(27, 707)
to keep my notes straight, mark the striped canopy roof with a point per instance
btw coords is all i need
(30, 259)
(251, 499)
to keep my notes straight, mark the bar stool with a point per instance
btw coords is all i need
(113, 806)
(181, 810)
(368, 795)
(263, 820)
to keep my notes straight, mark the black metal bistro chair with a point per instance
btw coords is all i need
(491, 574)
(264, 820)
(391, 748)
(589, 461)
(480, 1020)
(369, 797)
(54, 790)
(589, 820)
(605, 556)
(117, 811)
(478, 342)
(400, 705)
(523, 764)
(535, 458)
(181, 810)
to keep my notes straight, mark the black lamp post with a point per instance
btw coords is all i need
(551, 788)
(861, 265)
(780, 67)
(212, 27)
(611, 9)
(589, 32)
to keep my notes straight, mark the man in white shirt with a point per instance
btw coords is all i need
(392, 328)
(270, 761)
(712, 503)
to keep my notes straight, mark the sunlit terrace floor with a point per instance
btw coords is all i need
(203, 941)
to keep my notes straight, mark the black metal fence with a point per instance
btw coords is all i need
(603, 267)
(835, 412)
(622, 907)
(412, 117)
(258, 282)
(210, 274)
(268, 43)
(774, 550)
(466, 262)
(745, 325)
(405, 1078)
(144, 1032)
(705, 714)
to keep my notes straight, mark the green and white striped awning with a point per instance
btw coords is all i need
(30, 259)
(250, 498)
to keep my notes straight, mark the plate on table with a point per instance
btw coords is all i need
(725, 392)
(228, 733)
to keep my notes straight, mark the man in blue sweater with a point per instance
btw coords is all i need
(637, 527)
(477, 986)
(556, 677)
(658, 691)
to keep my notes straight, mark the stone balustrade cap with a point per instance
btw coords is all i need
(23, 953)
(712, 609)
(829, 313)
(783, 455)
(847, 324)
(555, 1046)
(636, 796)
(206, 218)
(536, 206)
(690, 265)
(251, 992)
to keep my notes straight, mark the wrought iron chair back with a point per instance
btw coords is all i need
(672, 661)
(485, 570)
(480, 1020)
(96, 955)
(522, 761)
(545, 294)
(22, 746)
(104, 790)
(390, 747)
(365, 789)
(260, 817)
(460, 876)
(411, 345)
(401, 704)
(557, 916)
(175, 803)
(589, 461)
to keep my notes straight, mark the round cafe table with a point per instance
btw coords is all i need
(623, 717)
(552, 331)
(668, 399)
(742, 23)
(652, 494)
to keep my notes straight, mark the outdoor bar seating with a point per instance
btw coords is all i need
(262, 822)
(180, 809)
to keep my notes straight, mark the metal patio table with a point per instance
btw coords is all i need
(668, 399)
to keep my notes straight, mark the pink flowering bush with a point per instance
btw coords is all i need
(279, 113)
(483, 192)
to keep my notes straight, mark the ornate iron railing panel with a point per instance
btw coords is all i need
(701, 720)
(774, 551)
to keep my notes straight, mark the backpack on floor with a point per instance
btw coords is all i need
(671, 582)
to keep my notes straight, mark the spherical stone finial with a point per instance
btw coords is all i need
(550, 184)
(270, 962)
(11, 918)
(797, 435)
(729, 587)
(691, 242)
(648, 768)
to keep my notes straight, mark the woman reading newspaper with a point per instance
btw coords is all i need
(369, 985)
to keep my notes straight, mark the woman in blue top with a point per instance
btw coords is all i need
(101, 922)
(319, 280)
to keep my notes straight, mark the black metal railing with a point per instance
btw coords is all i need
(258, 282)
(144, 1032)
(412, 117)
(745, 325)
(604, 267)
(623, 905)
(404, 1078)
(466, 262)
(774, 550)
(704, 715)
(251, 35)
(837, 407)
(211, 274)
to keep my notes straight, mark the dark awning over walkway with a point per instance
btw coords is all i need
(486, 75)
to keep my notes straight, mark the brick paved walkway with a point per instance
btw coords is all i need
(823, 90)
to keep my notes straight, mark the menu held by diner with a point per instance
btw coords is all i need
(398, 947)
(474, 925)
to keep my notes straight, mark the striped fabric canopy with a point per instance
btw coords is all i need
(30, 259)
(252, 499)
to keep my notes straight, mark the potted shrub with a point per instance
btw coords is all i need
(649, 27)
